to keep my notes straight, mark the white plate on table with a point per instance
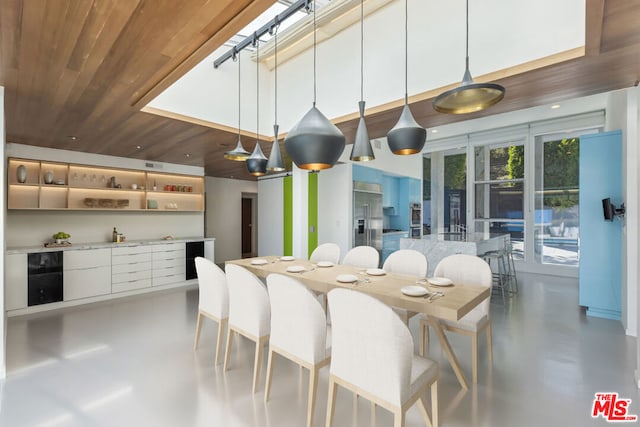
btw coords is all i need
(295, 269)
(376, 272)
(347, 278)
(439, 281)
(287, 258)
(414, 291)
(325, 264)
(259, 261)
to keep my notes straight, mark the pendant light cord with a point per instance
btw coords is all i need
(314, 53)
(361, 50)
(406, 51)
(467, 43)
(238, 95)
(275, 73)
(257, 90)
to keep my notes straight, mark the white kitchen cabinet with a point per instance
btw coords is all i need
(209, 250)
(130, 268)
(168, 262)
(16, 281)
(86, 273)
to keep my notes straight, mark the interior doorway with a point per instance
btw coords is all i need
(249, 225)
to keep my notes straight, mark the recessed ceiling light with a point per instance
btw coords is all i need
(187, 155)
(72, 137)
(434, 130)
(555, 106)
(138, 147)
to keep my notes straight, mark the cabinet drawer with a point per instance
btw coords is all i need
(130, 259)
(131, 267)
(166, 280)
(131, 285)
(127, 277)
(131, 250)
(86, 283)
(165, 255)
(163, 247)
(169, 271)
(82, 259)
(172, 262)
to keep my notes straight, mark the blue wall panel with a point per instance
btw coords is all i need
(600, 241)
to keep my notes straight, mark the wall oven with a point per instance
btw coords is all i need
(415, 211)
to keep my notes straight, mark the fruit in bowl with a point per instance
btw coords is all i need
(61, 237)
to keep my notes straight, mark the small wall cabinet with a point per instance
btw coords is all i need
(51, 186)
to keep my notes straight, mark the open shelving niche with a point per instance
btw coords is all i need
(83, 187)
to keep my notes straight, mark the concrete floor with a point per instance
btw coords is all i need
(130, 362)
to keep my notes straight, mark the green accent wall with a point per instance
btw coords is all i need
(313, 212)
(288, 215)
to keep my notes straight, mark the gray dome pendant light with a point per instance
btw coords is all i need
(469, 96)
(407, 136)
(314, 143)
(257, 162)
(275, 163)
(361, 150)
(238, 154)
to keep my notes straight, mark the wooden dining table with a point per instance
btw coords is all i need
(456, 300)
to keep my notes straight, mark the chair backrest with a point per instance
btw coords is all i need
(326, 252)
(249, 308)
(371, 347)
(212, 285)
(363, 257)
(298, 322)
(406, 261)
(467, 270)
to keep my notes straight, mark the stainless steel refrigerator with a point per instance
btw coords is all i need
(367, 215)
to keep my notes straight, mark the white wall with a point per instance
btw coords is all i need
(335, 207)
(271, 214)
(34, 228)
(3, 174)
(535, 29)
(385, 160)
(223, 217)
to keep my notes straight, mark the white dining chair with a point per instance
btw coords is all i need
(410, 262)
(213, 299)
(249, 313)
(326, 252)
(298, 332)
(467, 270)
(406, 261)
(378, 364)
(362, 257)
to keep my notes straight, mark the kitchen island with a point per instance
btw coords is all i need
(438, 246)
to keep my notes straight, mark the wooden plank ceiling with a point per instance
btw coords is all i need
(85, 68)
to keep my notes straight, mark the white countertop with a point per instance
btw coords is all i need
(100, 245)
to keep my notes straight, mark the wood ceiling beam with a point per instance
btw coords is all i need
(239, 20)
(593, 26)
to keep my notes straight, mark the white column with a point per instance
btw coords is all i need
(3, 185)
(300, 212)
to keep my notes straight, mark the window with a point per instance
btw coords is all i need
(556, 219)
(499, 192)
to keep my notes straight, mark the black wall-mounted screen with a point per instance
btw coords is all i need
(608, 209)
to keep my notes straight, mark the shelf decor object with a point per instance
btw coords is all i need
(275, 163)
(469, 97)
(361, 150)
(21, 172)
(238, 154)
(257, 162)
(407, 136)
(314, 143)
